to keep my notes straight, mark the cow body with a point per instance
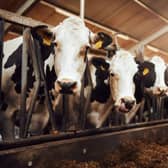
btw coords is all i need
(11, 89)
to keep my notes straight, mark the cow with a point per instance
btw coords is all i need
(151, 83)
(63, 49)
(72, 41)
(121, 87)
(152, 76)
(11, 86)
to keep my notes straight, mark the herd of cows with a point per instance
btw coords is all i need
(119, 81)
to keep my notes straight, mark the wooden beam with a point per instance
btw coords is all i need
(112, 30)
(20, 20)
(151, 10)
(157, 34)
(21, 10)
(150, 38)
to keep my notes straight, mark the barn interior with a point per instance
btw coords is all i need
(133, 21)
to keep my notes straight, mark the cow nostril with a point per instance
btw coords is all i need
(129, 104)
(67, 86)
(73, 84)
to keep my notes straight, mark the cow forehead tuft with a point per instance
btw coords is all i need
(123, 60)
(72, 31)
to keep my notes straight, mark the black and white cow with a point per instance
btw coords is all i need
(64, 64)
(151, 77)
(72, 40)
(120, 88)
(11, 85)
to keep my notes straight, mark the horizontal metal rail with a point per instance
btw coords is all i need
(29, 22)
(81, 148)
(71, 135)
(20, 20)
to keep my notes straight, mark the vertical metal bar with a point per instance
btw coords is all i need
(141, 110)
(1, 51)
(162, 109)
(158, 112)
(148, 103)
(153, 108)
(36, 84)
(82, 9)
(85, 106)
(26, 34)
(64, 111)
(46, 91)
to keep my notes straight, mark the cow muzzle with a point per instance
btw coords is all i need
(66, 86)
(157, 91)
(125, 105)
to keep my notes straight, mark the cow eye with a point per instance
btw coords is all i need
(112, 74)
(55, 44)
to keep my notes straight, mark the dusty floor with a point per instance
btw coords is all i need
(129, 155)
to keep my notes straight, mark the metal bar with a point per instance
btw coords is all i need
(85, 102)
(68, 12)
(26, 37)
(150, 38)
(22, 10)
(46, 91)
(82, 9)
(36, 84)
(65, 111)
(1, 53)
(81, 148)
(69, 135)
(20, 20)
(141, 110)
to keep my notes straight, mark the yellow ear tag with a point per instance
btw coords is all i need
(145, 71)
(98, 44)
(47, 41)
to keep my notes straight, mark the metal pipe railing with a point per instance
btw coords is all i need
(1, 52)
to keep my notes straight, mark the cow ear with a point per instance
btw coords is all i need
(100, 63)
(44, 34)
(101, 40)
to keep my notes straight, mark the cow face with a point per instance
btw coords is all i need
(159, 86)
(72, 39)
(123, 69)
(151, 76)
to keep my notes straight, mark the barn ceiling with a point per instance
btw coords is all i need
(135, 19)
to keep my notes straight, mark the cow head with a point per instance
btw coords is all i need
(122, 70)
(151, 77)
(72, 38)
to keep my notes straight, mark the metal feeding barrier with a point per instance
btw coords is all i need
(149, 120)
(31, 50)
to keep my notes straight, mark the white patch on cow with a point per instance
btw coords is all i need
(123, 67)
(50, 62)
(71, 37)
(160, 68)
(9, 47)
